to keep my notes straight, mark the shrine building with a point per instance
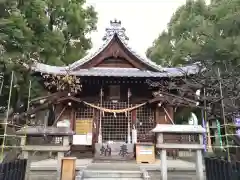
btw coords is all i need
(113, 95)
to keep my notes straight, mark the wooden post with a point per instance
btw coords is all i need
(209, 143)
(68, 168)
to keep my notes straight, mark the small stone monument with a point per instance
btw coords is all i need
(178, 132)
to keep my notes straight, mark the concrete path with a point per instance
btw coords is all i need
(173, 165)
(51, 164)
(156, 175)
(178, 169)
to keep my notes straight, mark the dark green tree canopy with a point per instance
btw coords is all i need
(55, 29)
(55, 32)
(209, 34)
(200, 30)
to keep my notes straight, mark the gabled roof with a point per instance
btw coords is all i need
(114, 31)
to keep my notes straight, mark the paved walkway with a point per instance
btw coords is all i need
(174, 165)
(156, 175)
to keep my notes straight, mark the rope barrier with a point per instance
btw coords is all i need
(114, 110)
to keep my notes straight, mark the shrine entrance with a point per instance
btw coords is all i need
(116, 127)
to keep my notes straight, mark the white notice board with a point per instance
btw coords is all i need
(83, 139)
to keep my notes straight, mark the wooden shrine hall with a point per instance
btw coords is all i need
(110, 97)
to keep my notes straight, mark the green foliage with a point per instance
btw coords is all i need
(209, 34)
(200, 30)
(54, 32)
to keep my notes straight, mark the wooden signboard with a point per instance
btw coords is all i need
(68, 168)
(114, 151)
(83, 126)
(83, 131)
(145, 153)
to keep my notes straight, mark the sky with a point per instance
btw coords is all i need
(143, 20)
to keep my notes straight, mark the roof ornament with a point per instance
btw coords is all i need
(115, 28)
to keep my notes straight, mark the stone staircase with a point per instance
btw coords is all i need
(110, 171)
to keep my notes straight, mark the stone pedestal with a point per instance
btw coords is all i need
(115, 151)
(163, 157)
(164, 130)
(199, 165)
(33, 132)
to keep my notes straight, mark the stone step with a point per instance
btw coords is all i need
(113, 178)
(112, 174)
(119, 166)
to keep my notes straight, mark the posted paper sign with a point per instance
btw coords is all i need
(89, 138)
(134, 136)
(145, 151)
(79, 140)
(85, 139)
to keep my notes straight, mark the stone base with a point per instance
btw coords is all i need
(115, 151)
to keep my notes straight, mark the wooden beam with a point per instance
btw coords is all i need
(45, 148)
(56, 120)
(180, 146)
(48, 96)
(178, 103)
(71, 98)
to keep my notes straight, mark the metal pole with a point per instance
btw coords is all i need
(128, 114)
(28, 105)
(100, 118)
(6, 119)
(29, 93)
(223, 113)
(2, 83)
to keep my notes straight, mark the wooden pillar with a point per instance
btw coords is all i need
(209, 142)
(160, 115)
(72, 118)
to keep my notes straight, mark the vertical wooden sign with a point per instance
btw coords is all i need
(68, 168)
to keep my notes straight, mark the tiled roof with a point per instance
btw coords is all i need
(130, 72)
(115, 30)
